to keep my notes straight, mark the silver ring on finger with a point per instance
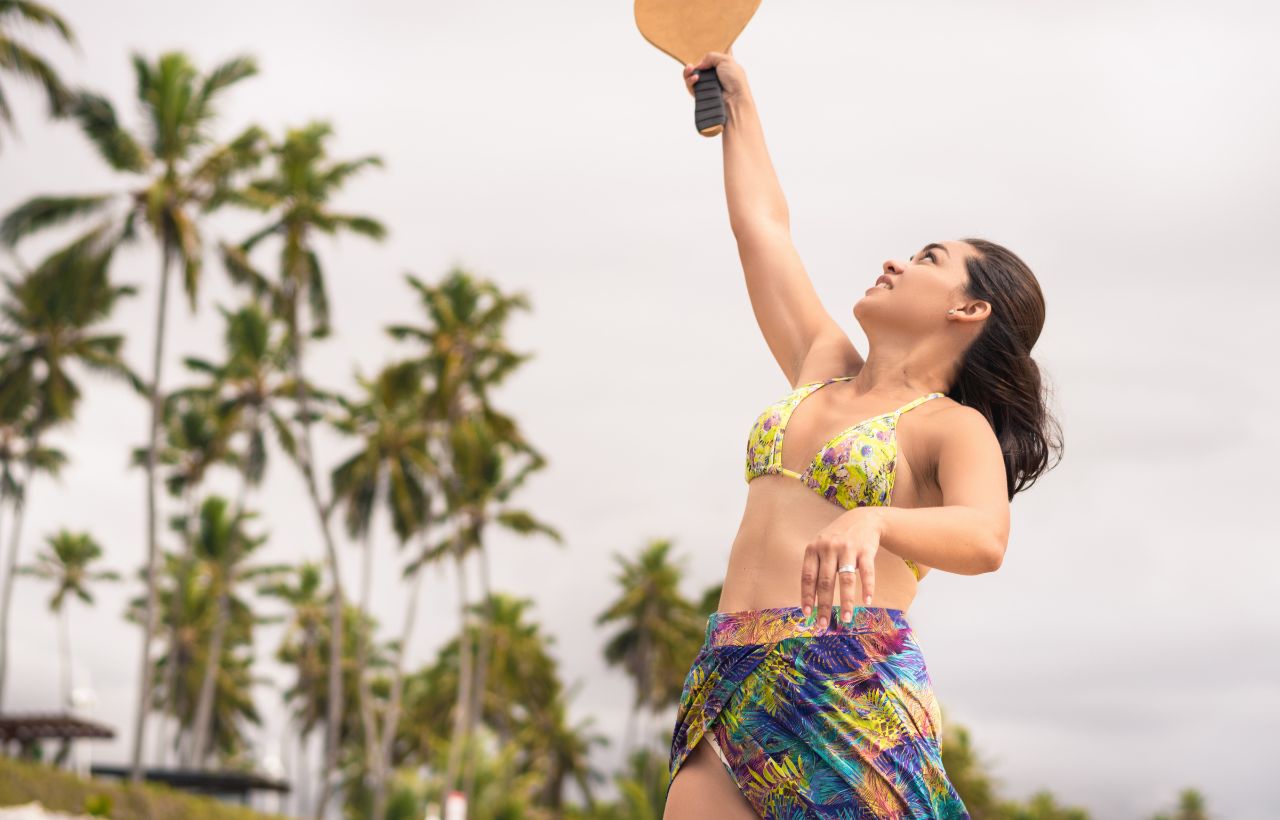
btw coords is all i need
(847, 568)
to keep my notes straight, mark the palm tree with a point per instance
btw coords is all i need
(526, 701)
(49, 323)
(391, 467)
(240, 396)
(524, 706)
(179, 178)
(198, 601)
(303, 650)
(479, 456)
(67, 561)
(660, 628)
(22, 62)
(196, 439)
(464, 356)
(15, 437)
(297, 194)
(223, 546)
(249, 386)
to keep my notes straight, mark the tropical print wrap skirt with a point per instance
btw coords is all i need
(839, 722)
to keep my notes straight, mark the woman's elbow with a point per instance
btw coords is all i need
(995, 553)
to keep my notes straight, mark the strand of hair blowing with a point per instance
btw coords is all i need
(997, 375)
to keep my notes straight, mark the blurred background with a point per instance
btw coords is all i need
(453, 315)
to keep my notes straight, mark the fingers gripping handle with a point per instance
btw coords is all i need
(708, 103)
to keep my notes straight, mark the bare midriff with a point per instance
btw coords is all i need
(782, 516)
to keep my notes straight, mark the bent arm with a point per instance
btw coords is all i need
(786, 306)
(969, 532)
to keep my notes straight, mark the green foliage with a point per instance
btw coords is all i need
(660, 630)
(22, 782)
(1191, 806)
(98, 805)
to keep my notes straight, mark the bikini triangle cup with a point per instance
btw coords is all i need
(855, 467)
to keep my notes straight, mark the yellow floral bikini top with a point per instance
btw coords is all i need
(854, 468)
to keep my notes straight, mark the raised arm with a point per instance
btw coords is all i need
(795, 325)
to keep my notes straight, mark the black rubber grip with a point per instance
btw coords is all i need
(708, 103)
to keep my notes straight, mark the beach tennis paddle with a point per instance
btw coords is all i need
(687, 30)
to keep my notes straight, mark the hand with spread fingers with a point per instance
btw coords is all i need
(841, 554)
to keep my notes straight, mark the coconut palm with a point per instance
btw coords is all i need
(482, 483)
(524, 707)
(297, 193)
(250, 387)
(223, 547)
(463, 355)
(239, 397)
(181, 173)
(48, 328)
(195, 440)
(526, 701)
(660, 628)
(392, 468)
(305, 650)
(15, 437)
(17, 59)
(198, 602)
(303, 647)
(67, 561)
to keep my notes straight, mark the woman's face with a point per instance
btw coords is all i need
(921, 289)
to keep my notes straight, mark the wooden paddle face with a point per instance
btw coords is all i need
(688, 29)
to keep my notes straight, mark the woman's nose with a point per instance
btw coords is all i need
(892, 266)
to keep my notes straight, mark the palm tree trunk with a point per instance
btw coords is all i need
(475, 713)
(64, 653)
(175, 617)
(19, 505)
(644, 695)
(628, 733)
(460, 721)
(373, 773)
(204, 706)
(149, 613)
(392, 717)
(333, 719)
(302, 776)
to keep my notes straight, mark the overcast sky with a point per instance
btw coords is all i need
(1126, 150)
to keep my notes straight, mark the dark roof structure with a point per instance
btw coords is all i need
(218, 783)
(33, 726)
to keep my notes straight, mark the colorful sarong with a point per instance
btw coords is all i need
(834, 723)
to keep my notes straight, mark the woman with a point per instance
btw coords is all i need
(824, 707)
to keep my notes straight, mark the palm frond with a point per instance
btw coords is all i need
(41, 212)
(26, 63)
(97, 118)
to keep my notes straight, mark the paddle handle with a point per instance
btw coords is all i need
(708, 103)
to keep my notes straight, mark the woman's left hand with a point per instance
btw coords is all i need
(853, 538)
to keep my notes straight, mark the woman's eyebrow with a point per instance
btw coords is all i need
(936, 245)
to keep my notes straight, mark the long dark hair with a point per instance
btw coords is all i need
(997, 375)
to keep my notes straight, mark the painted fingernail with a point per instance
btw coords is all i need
(868, 600)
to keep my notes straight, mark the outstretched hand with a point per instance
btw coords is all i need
(853, 538)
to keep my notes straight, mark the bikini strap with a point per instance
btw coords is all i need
(916, 402)
(805, 389)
